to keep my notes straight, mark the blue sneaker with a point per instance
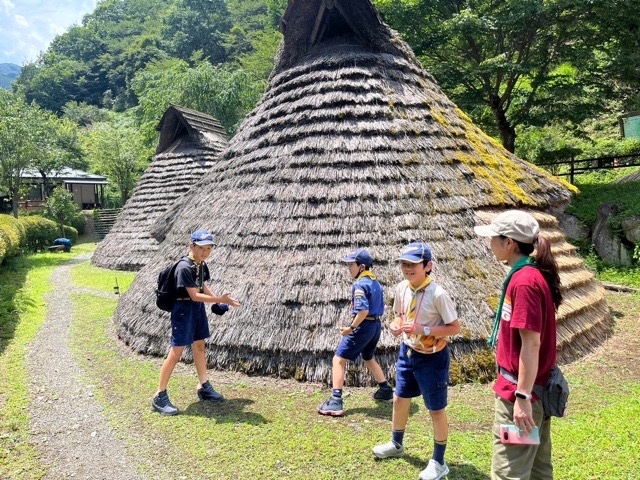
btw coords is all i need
(206, 392)
(163, 405)
(332, 407)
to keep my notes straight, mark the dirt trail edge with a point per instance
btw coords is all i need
(66, 421)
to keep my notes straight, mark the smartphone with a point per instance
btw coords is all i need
(512, 434)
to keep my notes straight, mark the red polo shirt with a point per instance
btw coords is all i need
(528, 305)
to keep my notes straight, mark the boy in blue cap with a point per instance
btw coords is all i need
(424, 316)
(189, 325)
(362, 335)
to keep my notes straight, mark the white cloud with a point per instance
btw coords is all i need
(29, 25)
(21, 21)
(7, 5)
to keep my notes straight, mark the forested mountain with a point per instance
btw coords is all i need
(8, 73)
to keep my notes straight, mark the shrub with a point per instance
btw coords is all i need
(40, 232)
(79, 222)
(12, 236)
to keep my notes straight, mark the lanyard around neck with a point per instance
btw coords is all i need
(523, 262)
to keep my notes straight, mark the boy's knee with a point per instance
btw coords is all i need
(337, 360)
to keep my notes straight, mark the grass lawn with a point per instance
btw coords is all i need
(268, 428)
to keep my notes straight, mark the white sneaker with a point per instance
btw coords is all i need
(388, 450)
(434, 471)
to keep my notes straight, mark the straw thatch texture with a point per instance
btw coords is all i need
(352, 145)
(190, 143)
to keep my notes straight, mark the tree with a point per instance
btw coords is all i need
(84, 114)
(17, 145)
(61, 207)
(116, 150)
(197, 25)
(223, 93)
(507, 55)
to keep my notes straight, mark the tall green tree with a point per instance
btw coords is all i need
(507, 56)
(16, 146)
(223, 93)
(116, 150)
(57, 147)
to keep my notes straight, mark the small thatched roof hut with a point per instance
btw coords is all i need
(353, 144)
(190, 143)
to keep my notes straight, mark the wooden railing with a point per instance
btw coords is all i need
(586, 164)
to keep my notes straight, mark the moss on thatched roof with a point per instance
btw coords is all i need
(353, 144)
(190, 143)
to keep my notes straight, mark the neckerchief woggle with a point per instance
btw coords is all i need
(523, 262)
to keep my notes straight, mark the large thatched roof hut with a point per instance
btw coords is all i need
(190, 143)
(353, 144)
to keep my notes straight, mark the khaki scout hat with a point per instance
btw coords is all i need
(515, 224)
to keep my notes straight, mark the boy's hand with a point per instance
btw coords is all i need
(412, 329)
(227, 298)
(396, 326)
(344, 331)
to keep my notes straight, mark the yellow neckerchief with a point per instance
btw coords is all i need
(411, 315)
(420, 342)
(192, 258)
(422, 286)
(367, 273)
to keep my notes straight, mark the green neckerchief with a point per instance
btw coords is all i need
(523, 262)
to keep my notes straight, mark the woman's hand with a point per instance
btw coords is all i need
(523, 415)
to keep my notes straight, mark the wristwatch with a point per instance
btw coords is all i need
(524, 396)
(426, 331)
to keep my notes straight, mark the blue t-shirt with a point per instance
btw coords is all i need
(366, 294)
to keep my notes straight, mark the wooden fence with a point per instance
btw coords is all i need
(584, 165)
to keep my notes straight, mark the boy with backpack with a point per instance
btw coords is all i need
(361, 337)
(189, 324)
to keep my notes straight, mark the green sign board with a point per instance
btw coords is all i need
(630, 125)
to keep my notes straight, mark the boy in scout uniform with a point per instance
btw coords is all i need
(361, 336)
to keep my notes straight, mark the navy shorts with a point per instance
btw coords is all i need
(188, 323)
(423, 374)
(362, 341)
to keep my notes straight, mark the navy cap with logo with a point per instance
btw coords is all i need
(415, 252)
(202, 237)
(360, 256)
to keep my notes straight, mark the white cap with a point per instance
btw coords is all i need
(515, 224)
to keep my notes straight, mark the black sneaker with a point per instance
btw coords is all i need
(163, 405)
(383, 394)
(206, 392)
(332, 407)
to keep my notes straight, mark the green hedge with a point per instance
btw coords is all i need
(12, 235)
(30, 232)
(40, 232)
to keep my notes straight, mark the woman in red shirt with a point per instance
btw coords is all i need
(526, 342)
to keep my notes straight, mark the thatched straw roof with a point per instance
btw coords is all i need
(632, 177)
(190, 143)
(353, 144)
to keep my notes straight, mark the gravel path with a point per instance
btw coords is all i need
(67, 424)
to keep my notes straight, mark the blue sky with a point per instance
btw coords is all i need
(28, 26)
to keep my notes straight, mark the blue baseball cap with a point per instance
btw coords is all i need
(415, 252)
(202, 237)
(360, 256)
